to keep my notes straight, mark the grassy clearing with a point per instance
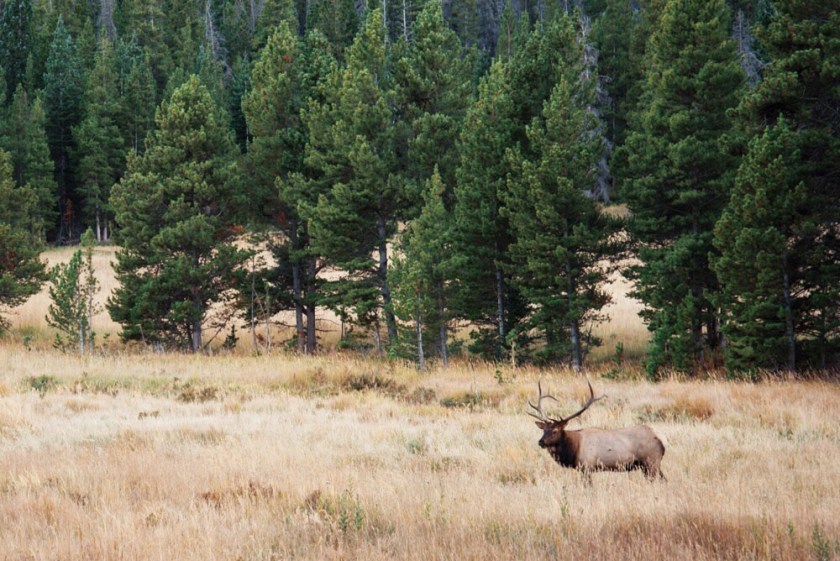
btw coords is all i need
(255, 458)
(624, 328)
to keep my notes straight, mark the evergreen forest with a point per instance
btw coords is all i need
(426, 168)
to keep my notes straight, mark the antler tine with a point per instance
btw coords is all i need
(538, 407)
(592, 399)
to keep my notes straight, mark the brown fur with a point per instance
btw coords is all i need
(604, 450)
(591, 450)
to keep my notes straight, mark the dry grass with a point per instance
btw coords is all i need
(255, 458)
(624, 326)
(30, 317)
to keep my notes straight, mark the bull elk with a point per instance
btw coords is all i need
(592, 449)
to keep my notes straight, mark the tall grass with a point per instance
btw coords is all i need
(622, 330)
(265, 458)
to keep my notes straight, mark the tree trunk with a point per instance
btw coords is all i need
(574, 324)
(500, 306)
(789, 334)
(444, 353)
(390, 320)
(421, 357)
(297, 291)
(196, 336)
(311, 336)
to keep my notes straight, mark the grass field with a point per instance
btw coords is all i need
(266, 458)
(133, 456)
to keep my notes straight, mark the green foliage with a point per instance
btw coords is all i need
(800, 85)
(73, 288)
(24, 137)
(43, 383)
(434, 89)
(353, 146)
(337, 21)
(63, 88)
(177, 208)
(421, 275)
(21, 270)
(678, 173)
(100, 151)
(612, 34)
(137, 94)
(760, 285)
(15, 41)
(562, 238)
(481, 235)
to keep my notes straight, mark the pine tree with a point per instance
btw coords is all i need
(800, 83)
(100, 154)
(25, 139)
(176, 208)
(562, 238)
(73, 289)
(353, 147)
(678, 177)
(15, 41)
(137, 96)
(145, 20)
(761, 290)
(273, 14)
(337, 21)
(434, 91)
(421, 277)
(481, 235)
(278, 137)
(612, 34)
(240, 86)
(21, 270)
(63, 89)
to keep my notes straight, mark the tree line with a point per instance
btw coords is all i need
(448, 163)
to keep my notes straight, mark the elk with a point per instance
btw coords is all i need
(590, 449)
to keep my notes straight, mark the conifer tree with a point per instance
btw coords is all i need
(562, 238)
(137, 96)
(273, 14)
(761, 287)
(15, 41)
(63, 89)
(25, 139)
(481, 235)
(434, 91)
(800, 83)
(272, 109)
(73, 288)
(100, 152)
(612, 33)
(678, 177)
(21, 270)
(353, 146)
(421, 275)
(176, 208)
(337, 21)
(145, 21)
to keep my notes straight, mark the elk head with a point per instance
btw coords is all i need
(554, 430)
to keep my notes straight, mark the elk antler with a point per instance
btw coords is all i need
(538, 407)
(592, 399)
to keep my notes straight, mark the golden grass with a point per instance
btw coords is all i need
(264, 458)
(624, 327)
(31, 316)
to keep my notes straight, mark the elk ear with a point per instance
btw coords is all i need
(541, 424)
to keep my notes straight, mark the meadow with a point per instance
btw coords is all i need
(132, 455)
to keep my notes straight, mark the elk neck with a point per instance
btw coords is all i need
(566, 450)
